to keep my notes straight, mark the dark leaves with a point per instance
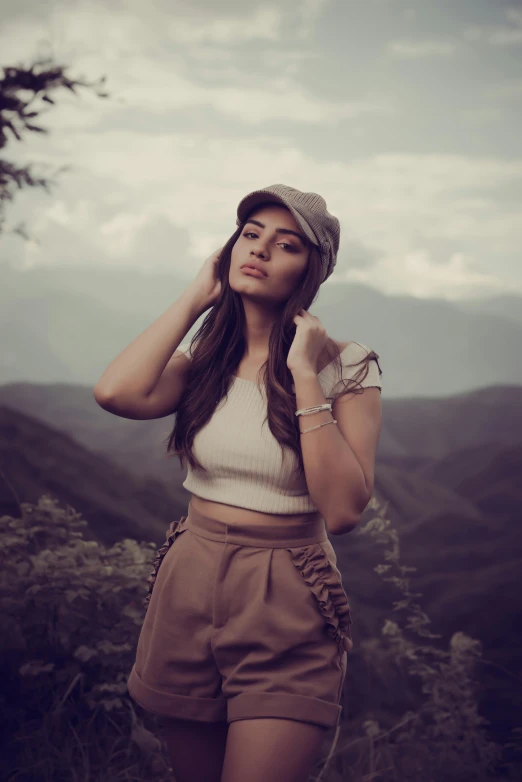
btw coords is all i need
(19, 88)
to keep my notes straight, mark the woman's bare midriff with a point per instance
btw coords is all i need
(231, 514)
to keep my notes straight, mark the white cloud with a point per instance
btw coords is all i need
(156, 79)
(499, 35)
(263, 22)
(158, 87)
(415, 49)
(505, 37)
(309, 12)
(415, 271)
(481, 115)
(209, 53)
(494, 35)
(178, 193)
(510, 88)
(112, 33)
(208, 104)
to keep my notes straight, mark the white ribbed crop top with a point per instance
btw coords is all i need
(243, 458)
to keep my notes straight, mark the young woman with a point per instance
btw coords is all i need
(243, 649)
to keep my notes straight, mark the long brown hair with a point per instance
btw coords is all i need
(220, 346)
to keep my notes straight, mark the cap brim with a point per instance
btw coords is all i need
(260, 197)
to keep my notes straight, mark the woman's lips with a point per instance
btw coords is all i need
(253, 272)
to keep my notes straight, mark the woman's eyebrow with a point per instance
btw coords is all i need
(279, 230)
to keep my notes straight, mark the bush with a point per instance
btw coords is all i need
(72, 610)
(443, 739)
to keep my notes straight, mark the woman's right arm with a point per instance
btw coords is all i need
(147, 379)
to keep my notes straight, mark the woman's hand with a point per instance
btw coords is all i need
(309, 341)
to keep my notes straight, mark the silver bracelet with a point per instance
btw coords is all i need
(316, 409)
(318, 426)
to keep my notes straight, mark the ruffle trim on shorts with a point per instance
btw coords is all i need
(172, 533)
(322, 579)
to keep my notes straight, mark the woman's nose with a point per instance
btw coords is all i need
(257, 250)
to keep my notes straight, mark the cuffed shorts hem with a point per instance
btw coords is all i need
(249, 705)
(167, 704)
(246, 706)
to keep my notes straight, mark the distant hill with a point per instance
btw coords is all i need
(415, 431)
(38, 459)
(67, 325)
(448, 470)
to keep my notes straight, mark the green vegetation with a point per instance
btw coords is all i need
(71, 614)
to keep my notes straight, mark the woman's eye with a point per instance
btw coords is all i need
(251, 233)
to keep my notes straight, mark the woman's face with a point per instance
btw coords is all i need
(282, 256)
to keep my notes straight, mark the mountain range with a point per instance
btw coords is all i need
(449, 461)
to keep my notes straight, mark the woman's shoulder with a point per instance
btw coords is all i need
(330, 353)
(347, 351)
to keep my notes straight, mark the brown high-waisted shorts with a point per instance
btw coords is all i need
(243, 621)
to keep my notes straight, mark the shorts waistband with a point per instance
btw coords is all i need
(258, 535)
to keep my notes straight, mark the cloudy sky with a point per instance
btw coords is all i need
(404, 115)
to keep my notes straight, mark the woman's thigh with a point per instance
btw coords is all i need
(196, 749)
(278, 750)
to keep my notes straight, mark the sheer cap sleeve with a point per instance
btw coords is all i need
(352, 354)
(185, 348)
